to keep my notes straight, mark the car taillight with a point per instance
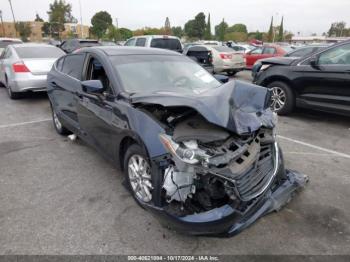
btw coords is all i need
(20, 68)
(225, 56)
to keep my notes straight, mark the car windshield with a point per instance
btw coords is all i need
(145, 73)
(166, 43)
(39, 52)
(5, 43)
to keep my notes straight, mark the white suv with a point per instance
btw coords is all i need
(157, 41)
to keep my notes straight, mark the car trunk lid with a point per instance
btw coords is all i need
(39, 66)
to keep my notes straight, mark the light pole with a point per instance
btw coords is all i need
(81, 21)
(13, 15)
(2, 24)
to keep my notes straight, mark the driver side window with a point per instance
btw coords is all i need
(257, 51)
(95, 71)
(336, 56)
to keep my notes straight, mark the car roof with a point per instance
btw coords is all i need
(130, 50)
(10, 39)
(156, 36)
(32, 45)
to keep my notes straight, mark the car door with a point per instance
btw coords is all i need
(96, 115)
(326, 79)
(2, 68)
(141, 42)
(268, 51)
(65, 83)
(5, 67)
(253, 56)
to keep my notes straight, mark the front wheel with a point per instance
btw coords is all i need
(282, 99)
(60, 129)
(138, 174)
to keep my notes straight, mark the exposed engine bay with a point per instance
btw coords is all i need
(210, 166)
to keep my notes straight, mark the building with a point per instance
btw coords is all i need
(71, 30)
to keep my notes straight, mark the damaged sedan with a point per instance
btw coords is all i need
(202, 156)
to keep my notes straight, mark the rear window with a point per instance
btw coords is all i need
(5, 43)
(39, 52)
(222, 48)
(166, 43)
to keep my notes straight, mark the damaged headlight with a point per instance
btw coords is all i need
(188, 152)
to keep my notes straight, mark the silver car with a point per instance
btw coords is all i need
(24, 67)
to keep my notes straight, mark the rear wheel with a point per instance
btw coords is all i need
(283, 98)
(138, 174)
(13, 95)
(60, 129)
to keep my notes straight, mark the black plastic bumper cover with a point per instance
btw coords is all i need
(227, 221)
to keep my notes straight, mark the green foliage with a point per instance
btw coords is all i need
(38, 18)
(125, 34)
(113, 33)
(240, 28)
(236, 36)
(24, 30)
(167, 27)
(59, 13)
(270, 34)
(207, 33)
(177, 31)
(220, 30)
(281, 32)
(338, 29)
(149, 31)
(195, 28)
(101, 21)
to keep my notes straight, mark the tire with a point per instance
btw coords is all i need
(139, 183)
(283, 98)
(59, 127)
(13, 95)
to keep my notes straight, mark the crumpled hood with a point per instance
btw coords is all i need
(237, 106)
(279, 60)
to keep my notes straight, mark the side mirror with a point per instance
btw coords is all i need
(314, 61)
(94, 87)
(221, 78)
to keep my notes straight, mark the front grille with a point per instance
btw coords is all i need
(249, 185)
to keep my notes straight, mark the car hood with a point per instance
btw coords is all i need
(237, 106)
(279, 60)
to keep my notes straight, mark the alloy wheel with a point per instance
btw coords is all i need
(56, 121)
(278, 99)
(139, 173)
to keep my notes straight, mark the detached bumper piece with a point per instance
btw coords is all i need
(229, 221)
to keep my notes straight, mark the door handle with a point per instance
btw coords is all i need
(54, 84)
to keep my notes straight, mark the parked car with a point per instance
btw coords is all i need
(199, 154)
(225, 60)
(319, 81)
(54, 42)
(202, 55)
(263, 52)
(72, 45)
(296, 52)
(4, 42)
(108, 43)
(240, 48)
(24, 67)
(157, 41)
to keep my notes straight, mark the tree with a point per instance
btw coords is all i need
(270, 34)
(337, 29)
(38, 18)
(195, 28)
(220, 30)
(240, 28)
(59, 14)
(167, 27)
(101, 21)
(281, 32)
(125, 34)
(24, 30)
(236, 36)
(207, 34)
(177, 31)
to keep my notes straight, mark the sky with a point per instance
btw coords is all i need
(304, 16)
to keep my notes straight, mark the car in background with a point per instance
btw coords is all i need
(156, 41)
(262, 52)
(108, 43)
(54, 42)
(200, 155)
(72, 45)
(318, 81)
(240, 48)
(24, 67)
(4, 42)
(225, 60)
(202, 55)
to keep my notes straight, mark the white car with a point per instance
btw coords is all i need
(5, 41)
(156, 41)
(227, 60)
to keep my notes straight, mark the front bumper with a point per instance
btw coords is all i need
(228, 221)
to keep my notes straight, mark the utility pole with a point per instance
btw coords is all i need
(2, 24)
(81, 21)
(13, 15)
(117, 26)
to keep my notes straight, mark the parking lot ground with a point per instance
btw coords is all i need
(61, 197)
